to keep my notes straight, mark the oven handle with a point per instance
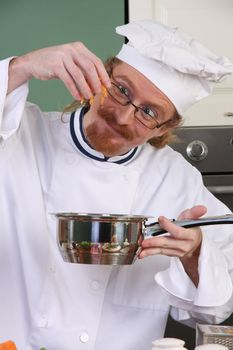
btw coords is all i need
(221, 189)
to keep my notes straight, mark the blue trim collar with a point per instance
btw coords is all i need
(80, 141)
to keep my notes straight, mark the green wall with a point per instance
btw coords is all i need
(26, 25)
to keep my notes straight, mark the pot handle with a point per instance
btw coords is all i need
(154, 229)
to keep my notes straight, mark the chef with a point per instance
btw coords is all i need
(108, 156)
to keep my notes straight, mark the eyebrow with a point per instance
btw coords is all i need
(158, 106)
(126, 78)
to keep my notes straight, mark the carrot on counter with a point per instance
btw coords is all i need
(8, 345)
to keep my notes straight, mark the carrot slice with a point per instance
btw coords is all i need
(91, 100)
(8, 345)
(103, 95)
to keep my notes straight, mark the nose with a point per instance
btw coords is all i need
(126, 115)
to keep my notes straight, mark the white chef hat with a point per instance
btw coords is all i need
(177, 64)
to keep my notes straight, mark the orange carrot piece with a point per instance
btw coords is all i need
(91, 100)
(103, 95)
(8, 345)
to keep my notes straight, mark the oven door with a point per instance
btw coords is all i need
(221, 185)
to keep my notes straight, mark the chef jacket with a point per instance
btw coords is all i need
(46, 166)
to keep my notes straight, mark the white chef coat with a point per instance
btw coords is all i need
(46, 302)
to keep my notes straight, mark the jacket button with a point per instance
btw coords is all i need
(95, 285)
(126, 177)
(84, 337)
(70, 159)
(42, 322)
(2, 143)
(52, 269)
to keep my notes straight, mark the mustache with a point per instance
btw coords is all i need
(110, 117)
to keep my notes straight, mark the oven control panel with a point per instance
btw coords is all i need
(197, 150)
(209, 149)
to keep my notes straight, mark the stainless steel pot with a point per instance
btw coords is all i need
(112, 239)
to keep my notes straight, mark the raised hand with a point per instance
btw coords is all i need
(81, 71)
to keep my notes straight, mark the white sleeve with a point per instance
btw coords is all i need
(213, 271)
(212, 300)
(11, 105)
(214, 288)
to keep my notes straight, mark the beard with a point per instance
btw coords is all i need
(109, 139)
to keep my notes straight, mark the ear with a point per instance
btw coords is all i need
(163, 140)
(163, 130)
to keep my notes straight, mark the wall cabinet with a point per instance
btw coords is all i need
(211, 23)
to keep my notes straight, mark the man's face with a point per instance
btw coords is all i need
(112, 128)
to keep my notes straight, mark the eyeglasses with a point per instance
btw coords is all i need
(144, 114)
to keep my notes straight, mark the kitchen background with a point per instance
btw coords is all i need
(26, 25)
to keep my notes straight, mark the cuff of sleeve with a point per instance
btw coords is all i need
(11, 105)
(176, 282)
(215, 287)
(4, 64)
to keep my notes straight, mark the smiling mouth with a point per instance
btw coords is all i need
(121, 132)
(110, 120)
(113, 129)
(117, 132)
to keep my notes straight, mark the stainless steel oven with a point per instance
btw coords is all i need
(210, 150)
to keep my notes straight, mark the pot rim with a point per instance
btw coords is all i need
(100, 217)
